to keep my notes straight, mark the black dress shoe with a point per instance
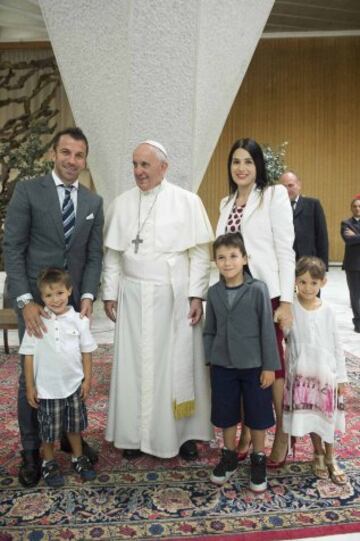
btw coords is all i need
(30, 468)
(131, 453)
(86, 449)
(188, 450)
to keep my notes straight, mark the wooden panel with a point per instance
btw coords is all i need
(308, 15)
(8, 45)
(304, 91)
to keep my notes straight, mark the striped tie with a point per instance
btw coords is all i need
(68, 215)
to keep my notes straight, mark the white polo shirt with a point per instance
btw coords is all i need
(58, 369)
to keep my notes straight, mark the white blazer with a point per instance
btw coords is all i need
(268, 231)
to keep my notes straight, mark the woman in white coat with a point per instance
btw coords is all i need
(262, 212)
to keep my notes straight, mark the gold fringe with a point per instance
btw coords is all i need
(185, 409)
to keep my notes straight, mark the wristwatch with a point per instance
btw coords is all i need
(21, 303)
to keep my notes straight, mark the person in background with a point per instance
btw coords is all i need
(350, 232)
(51, 220)
(240, 345)
(58, 376)
(155, 277)
(316, 371)
(262, 213)
(311, 236)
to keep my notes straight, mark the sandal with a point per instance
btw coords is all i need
(337, 475)
(319, 467)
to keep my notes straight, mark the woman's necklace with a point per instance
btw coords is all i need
(137, 240)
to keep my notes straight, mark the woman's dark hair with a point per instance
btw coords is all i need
(257, 155)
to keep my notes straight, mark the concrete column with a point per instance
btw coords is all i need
(167, 70)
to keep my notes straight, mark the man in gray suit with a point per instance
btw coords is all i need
(34, 239)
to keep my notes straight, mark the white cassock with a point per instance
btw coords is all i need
(160, 392)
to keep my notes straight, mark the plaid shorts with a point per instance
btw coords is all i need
(59, 415)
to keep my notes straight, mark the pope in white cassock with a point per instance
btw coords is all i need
(156, 273)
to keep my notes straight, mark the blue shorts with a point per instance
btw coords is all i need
(228, 386)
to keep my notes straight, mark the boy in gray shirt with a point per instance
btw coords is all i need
(240, 345)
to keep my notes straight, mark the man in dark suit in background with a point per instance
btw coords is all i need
(311, 237)
(350, 232)
(34, 238)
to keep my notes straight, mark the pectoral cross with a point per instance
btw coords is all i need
(137, 240)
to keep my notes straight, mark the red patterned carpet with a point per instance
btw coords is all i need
(151, 498)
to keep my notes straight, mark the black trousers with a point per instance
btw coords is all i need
(353, 282)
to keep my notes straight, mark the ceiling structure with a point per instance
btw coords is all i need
(21, 20)
(304, 16)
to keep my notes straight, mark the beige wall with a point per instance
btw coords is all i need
(305, 91)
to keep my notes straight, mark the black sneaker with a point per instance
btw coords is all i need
(258, 480)
(52, 475)
(226, 467)
(84, 468)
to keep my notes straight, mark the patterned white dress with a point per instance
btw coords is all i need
(315, 365)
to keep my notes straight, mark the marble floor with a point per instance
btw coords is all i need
(335, 292)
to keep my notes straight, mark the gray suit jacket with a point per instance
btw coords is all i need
(243, 335)
(34, 238)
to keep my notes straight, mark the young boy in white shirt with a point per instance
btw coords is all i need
(58, 375)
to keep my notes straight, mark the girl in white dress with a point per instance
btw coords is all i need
(316, 372)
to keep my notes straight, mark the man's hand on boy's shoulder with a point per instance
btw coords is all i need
(32, 313)
(267, 378)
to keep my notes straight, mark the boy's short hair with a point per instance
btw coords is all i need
(313, 265)
(53, 275)
(230, 240)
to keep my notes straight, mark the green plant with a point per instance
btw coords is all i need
(26, 160)
(274, 161)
